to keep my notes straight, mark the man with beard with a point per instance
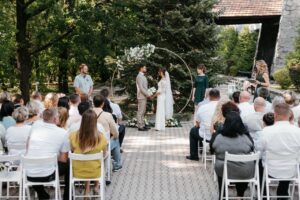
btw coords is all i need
(83, 82)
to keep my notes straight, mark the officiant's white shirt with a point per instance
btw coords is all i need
(204, 115)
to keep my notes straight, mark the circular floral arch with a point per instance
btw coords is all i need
(133, 55)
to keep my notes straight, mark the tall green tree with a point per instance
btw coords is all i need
(184, 27)
(237, 49)
(29, 14)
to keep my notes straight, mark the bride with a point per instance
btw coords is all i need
(164, 108)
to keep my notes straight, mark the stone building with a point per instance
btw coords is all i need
(279, 20)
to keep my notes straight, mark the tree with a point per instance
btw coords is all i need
(184, 27)
(237, 49)
(27, 12)
(293, 64)
(7, 43)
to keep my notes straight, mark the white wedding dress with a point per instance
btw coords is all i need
(164, 107)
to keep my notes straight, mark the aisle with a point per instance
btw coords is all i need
(155, 168)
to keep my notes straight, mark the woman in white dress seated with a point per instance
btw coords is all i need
(164, 107)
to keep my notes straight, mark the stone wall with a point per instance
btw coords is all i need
(288, 31)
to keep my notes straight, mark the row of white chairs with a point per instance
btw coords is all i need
(267, 181)
(254, 181)
(19, 175)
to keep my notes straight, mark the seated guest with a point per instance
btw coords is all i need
(18, 134)
(254, 121)
(51, 100)
(4, 96)
(82, 107)
(204, 117)
(45, 139)
(236, 97)
(277, 100)
(6, 111)
(234, 139)
(88, 140)
(38, 98)
(115, 107)
(34, 112)
(64, 102)
(74, 115)
(218, 119)
(289, 98)
(106, 119)
(245, 107)
(268, 120)
(63, 117)
(282, 139)
(84, 97)
(18, 100)
(116, 111)
(265, 94)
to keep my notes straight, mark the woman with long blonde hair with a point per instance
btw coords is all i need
(262, 76)
(218, 118)
(51, 100)
(63, 117)
(88, 140)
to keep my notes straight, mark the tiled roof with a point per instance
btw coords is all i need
(245, 8)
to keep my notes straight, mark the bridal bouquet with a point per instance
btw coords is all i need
(151, 91)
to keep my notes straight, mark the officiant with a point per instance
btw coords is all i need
(83, 82)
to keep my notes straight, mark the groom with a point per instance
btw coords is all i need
(142, 95)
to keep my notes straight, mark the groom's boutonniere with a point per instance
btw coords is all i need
(151, 91)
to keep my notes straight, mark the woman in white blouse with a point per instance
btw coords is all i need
(18, 134)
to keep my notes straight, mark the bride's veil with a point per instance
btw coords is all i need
(169, 98)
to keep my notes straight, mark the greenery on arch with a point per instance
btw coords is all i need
(139, 54)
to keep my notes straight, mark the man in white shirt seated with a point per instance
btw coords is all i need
(282, 139)
(117, 114)
(74, 115)
(265, 93)
(290, 98)
(245, 107)
(204, 117)
(45, 139)
(254, 121)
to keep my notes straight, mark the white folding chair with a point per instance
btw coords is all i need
(254, 181)
(286, 160)
(32, 162)
(10, 176)
(73, 179)
(206, 156)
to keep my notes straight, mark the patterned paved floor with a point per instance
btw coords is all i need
(155, 168)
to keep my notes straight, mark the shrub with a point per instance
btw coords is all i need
(294, 69)
(282, 77)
